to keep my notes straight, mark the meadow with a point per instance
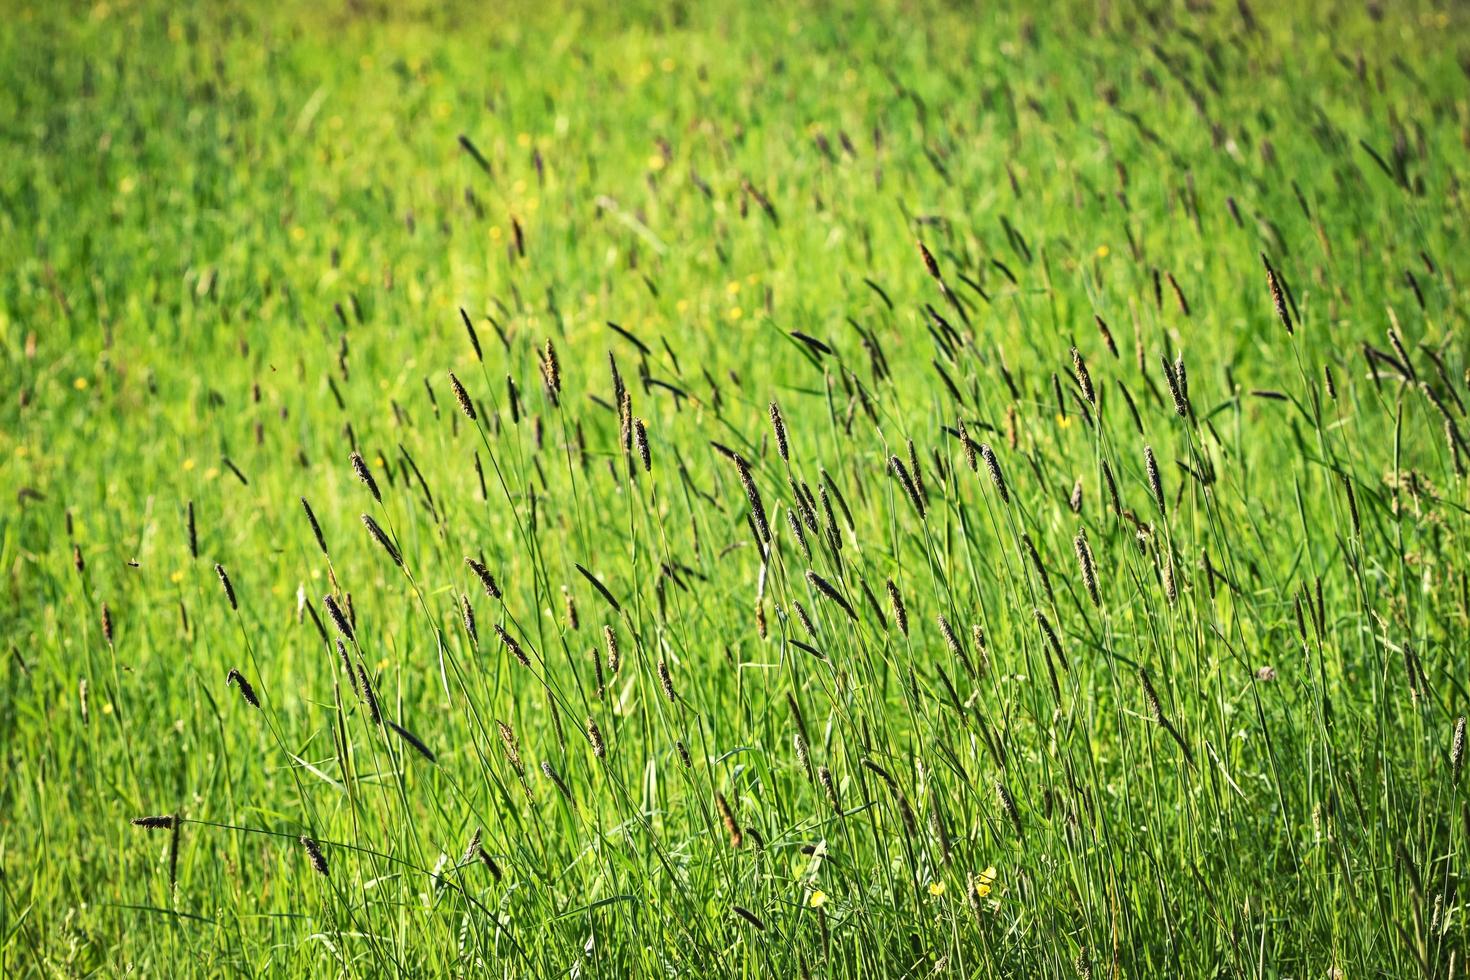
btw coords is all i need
(723, 490)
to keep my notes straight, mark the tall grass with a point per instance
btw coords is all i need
(696, 578)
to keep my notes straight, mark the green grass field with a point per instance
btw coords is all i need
(1094, 604)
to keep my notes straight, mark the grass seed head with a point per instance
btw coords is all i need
(315, 855)
(1278, 297)
(640, 441)
(381, 537)
(900, 612)
(487, 581)
(316, 529)
(360, 467)
(1155, 481)
(463, 398)
(1457, 749)
(614, 655)
(338, 618)
(163, 822)
(778, 424)
(727, 816)
(1084, 377)
(224, 580)
(992, 465)
(1088, 566)
(246, 691)
(513, 645)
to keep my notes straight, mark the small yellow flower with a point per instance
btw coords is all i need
(176, 577)
(127, 185)
(1102, 251)
(817, 899)
(298, 233)
(1064, 421)
(188, 465)
(80, 384)
(735, 313)
(667, 65)
(936, 888)
(656, 161)
(523, 139)
(984, 881)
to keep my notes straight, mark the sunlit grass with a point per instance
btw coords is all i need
(1093, 607)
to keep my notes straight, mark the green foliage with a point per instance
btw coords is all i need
(1199, 721)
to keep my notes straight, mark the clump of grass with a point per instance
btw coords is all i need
(285, 227)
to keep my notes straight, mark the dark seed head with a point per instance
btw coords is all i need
(1084, 378)
(1278, 298)
(900, 612)
(162, 822)
(314, 853)
(996, 476)
(360, 467)
(551, 372)
(492, 589)
(513, 645)
(779, 425)
(824, 776)
(379, 536)
(640, 440)
(224, 579)
(1088, 566)
(929, 264)
(316, 529)
(750, 917)
(905, 480)
(246, 691)
(339, 620)
(1155, 482)
(468, 612)
(463, 397)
